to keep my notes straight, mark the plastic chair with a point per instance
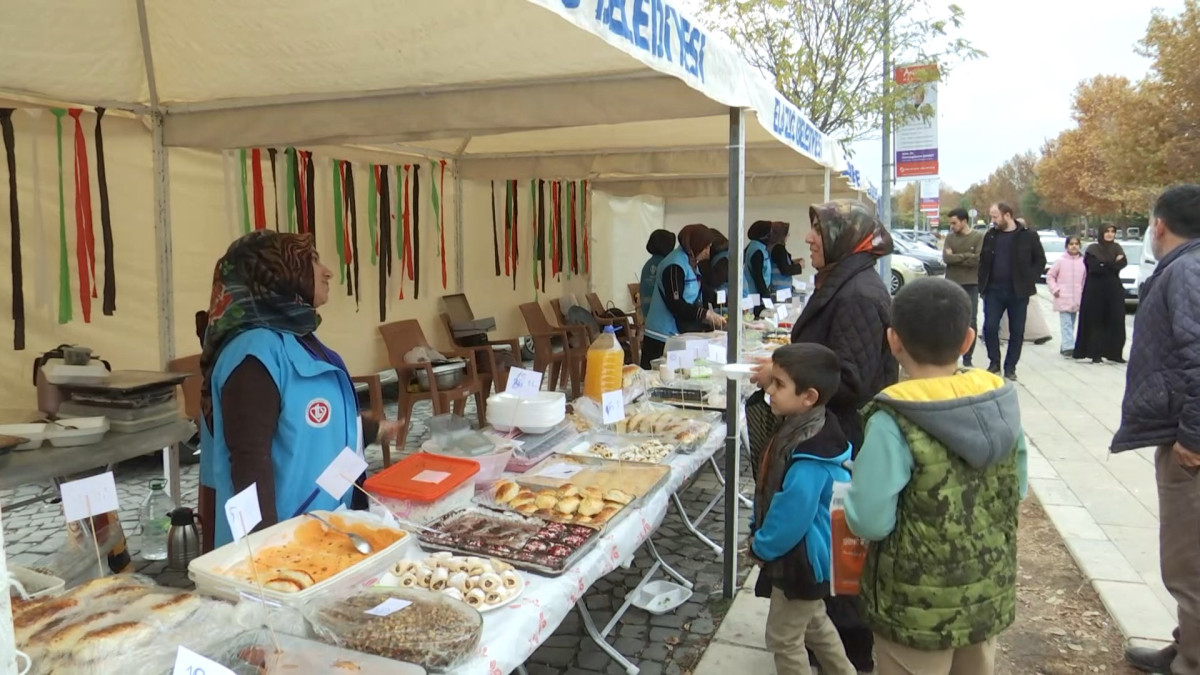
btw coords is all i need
(491, 369)
(401, 337)
(552, 348)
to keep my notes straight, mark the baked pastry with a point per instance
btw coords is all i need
(605, 515)
(593, 492)
(527, 509)
(583, 520)
(546, 499)
(506, 491)
(567, 490)
(590, 506)
(521, 500)
(567, 505)
(618, 496)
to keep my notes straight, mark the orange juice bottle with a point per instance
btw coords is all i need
(605, 360)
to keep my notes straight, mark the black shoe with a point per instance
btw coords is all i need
(967, 364)
(1097, 360)
(1150, 660)
(1068, 354)
(1011, 375)
(1117, 360)
(994, 368)
(1041, 341)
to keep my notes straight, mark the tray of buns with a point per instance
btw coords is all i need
(528, 543)
(635, 478)
(566, 503)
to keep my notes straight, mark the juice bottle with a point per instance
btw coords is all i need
(605, 361)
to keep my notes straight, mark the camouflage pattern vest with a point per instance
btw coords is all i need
(946, 575)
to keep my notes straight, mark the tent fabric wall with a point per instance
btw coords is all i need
(622, 226)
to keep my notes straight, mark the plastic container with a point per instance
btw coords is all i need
(35, 433)
(253, 652)
(77, 431)
(536, 415)
(424, 486)
(36, 584)
(209, 571)
(605, 363)
(660, 597)
(156, 520)
(75, 408)
(432, 630)
(534, 448)
(492, 455)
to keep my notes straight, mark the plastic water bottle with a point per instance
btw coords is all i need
(156, 521)
(605, 361)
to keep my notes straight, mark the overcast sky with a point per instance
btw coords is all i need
(1020, 95)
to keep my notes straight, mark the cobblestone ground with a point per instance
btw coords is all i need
(671, 643)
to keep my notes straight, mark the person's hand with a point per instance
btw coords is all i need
(389, 431)
(761, 376)
(1056, 292)
(947, 250)
(750, 551)
(1186, 458)
(716, 320)
(1120, 257)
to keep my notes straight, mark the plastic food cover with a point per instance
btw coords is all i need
(253, 653)
(429, 629)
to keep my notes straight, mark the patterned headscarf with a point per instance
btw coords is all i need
(264, 280)
(847, 227)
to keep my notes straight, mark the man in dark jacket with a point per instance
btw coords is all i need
(1011, 262)
(1162, 409)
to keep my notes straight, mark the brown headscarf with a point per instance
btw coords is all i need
(779, 232)
(760, 230)
(847, 227)
(693, 239)
(720, 241)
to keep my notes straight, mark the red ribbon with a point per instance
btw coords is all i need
(442, 218)
(85, 236)
(407, 263)
(347, 249)
(260, 205)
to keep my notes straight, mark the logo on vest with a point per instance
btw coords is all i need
(318, 413)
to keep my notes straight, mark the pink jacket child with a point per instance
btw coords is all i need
(1065, 280)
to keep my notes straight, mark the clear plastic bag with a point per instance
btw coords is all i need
(429, 629)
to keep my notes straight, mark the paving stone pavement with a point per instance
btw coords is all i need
(670, 644)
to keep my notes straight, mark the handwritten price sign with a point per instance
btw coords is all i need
(524, 383)
(612, 406)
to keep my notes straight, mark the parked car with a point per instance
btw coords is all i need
(931, 258)
(1131, 276)
(1054, 247)
(917, 237)
(1133, 232)
(905, 270)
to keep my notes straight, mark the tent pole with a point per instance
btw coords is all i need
(733, 399)
(827, 179)
(162, 244)
(458, 229)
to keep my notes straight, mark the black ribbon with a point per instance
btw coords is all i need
(416, 230)
(310, 193)
(274, 187)
(300, 225)
(349, 197)
(110, 272)
(14, 213)
(495, 237)
(385, 241)
(512, 189)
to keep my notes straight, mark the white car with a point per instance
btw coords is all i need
(1054, 247)
(1146, 265)
(905, 270)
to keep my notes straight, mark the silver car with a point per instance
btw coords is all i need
(1131, 275)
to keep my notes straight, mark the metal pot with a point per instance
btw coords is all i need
(448, 375)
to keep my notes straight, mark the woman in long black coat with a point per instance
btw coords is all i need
(1102, 308)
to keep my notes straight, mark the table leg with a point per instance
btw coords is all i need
(745, 501)
(521, 670)
(171, 463)
(691, 527)
(589, 625)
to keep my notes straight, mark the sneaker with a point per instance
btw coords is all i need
(1041, 341)
(1097, 360)
(1150, 660)
(1068, 353)
(1011, 375)
(994, 368)
(1117, 360)
(967, 364)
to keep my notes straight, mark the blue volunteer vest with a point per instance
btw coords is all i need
(723, 255)
(748, 287)
(318, 417)
(660, 323)
(649, 278)
(779, 280)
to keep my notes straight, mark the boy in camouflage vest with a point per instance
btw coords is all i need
(936, 490)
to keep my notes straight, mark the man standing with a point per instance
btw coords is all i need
(1010, 263)
(961, 255)
(1162, 409)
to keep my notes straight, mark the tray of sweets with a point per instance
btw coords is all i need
(567, 503)
(528, 543)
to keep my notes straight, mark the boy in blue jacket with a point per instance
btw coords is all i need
(790, 529)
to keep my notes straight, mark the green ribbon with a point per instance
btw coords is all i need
(373, 212)
(245, 197)
(290, 179)
(339, 222)
(64, 271)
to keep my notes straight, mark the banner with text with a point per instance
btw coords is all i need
(917, 138)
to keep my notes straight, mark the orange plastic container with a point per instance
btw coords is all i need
(605, 363)
(424, 486)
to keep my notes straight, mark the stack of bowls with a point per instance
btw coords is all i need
(535, 415)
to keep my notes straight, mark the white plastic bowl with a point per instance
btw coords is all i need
(86, 431)
(660, 597)
(533, 415)
(36, 433)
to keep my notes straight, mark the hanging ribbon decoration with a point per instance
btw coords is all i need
(310, 205)
(439, 187)
(244, 190)
(415, 250)
(541, 233)
(574, 195)
(587, 231)
(41, 258)
(385, 240)
(373, 211)
(495, 236)
(533, 233)
(405, 231)
(302, 191)
(272, 153)
(352, 217)
(14, 214)
(106, 234)
(289, 177)
(64, 270)
(512, 190)
(339, 219)
(260, 204)
(507, 232)
(85, 236)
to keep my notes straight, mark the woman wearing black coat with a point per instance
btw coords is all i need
(1102, 307)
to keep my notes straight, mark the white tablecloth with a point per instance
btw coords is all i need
(512, 633)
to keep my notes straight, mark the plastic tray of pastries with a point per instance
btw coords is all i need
(533, 544)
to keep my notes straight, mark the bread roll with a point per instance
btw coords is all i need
(476, 597)
(527, 509)
(590, 506)
(546, 499)
(567, 505)
(510, 579)
(439, 579)
(618, 496)
(567, 490)
(605, 515)
(506, 490)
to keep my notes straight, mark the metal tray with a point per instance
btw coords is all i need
(130, 381)
(580, 447)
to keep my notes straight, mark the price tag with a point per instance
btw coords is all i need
(768, 303)
(781, 313)
(799, 285)
(523, 383)
(716, 354)
(612, 406)
(389, 607)
(188, 662)
(722, 297)
(783, 295)
(89, 497)
(563, 470)
(751, 301)
(431, 476)
(697, 348)
(677, 360)
(341, 473)
(242, 511)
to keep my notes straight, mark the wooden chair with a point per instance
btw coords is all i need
(401, 337)
(485, 355)
(552, 348)
(629, 332)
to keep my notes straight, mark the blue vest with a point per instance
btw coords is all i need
(649, 278)
(748, 287)
(318, 417)
(660, 323)
(779, 280)
(723, 255)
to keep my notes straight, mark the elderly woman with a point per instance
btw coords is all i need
(849, 312)
(676, 305)
(278, 405)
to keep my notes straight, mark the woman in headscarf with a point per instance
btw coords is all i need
(676, 304)
(1102, 308)
(659, 246)
(714, 272)
(756, 270)
(849, 312)
(783, 267)
(277, 404)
